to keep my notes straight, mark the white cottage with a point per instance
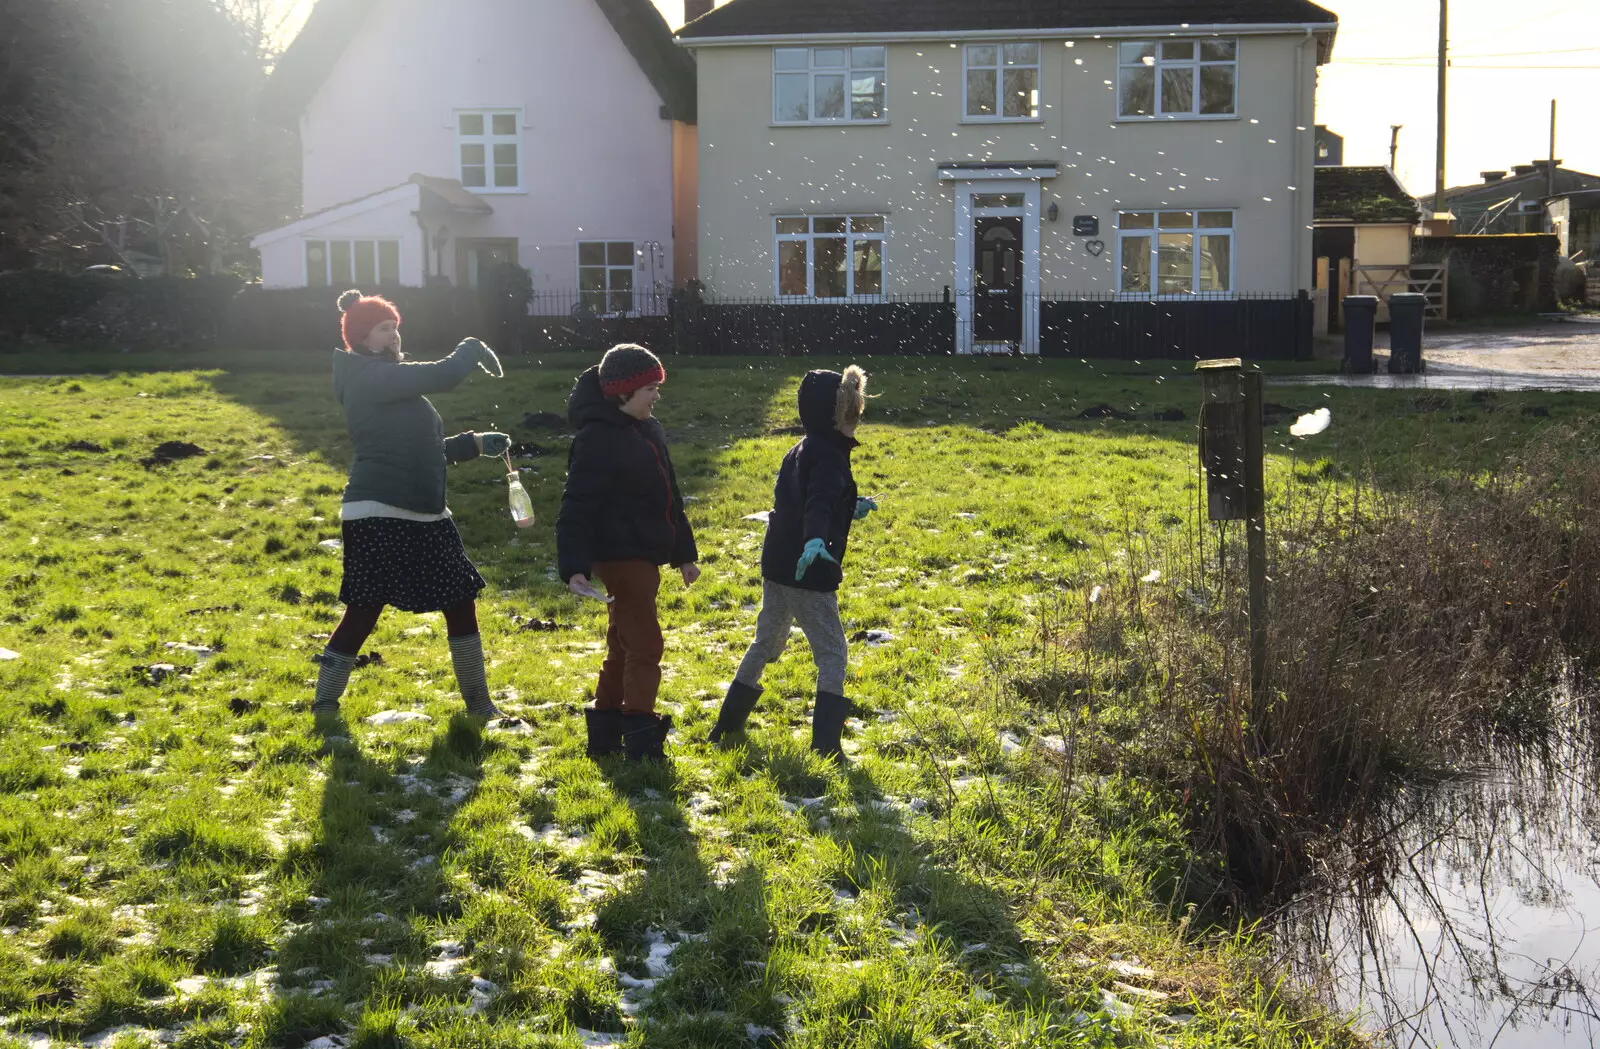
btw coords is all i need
(439, 138)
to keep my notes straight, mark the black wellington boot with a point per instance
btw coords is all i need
(644, 736)
(736, 707)
(605, 731)
(827, 724)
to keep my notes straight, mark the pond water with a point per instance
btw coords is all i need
(1478, 924)
(1443, 377)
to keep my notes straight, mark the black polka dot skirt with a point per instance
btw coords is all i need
(415, 566)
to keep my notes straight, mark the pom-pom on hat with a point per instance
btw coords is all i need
(362, 313)
(627, 367)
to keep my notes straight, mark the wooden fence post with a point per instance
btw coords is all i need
(1324, 297)
(1232, 458)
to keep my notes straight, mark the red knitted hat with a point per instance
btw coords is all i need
(362, 313)
(627, 367)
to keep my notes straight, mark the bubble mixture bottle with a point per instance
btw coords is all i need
(521, 505)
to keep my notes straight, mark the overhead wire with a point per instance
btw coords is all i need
(1482, 54)
(1466, 65)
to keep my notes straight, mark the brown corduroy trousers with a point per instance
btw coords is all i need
(631, 674)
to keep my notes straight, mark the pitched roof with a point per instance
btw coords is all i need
(649, 38)
(303, 67)
(433, 196)
(1531, 185)
(789, 17)
(452, 194)
(1361, 194)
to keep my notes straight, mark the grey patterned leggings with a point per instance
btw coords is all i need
(817, 613)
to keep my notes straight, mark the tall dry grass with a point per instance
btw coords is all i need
(1409, 624)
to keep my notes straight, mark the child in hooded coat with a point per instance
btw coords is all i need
(400, 545)
(814, 504)
(621, 519)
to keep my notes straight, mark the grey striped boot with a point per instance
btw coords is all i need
(333, 674)
(466, 654)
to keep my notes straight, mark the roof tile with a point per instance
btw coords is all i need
(790, 17)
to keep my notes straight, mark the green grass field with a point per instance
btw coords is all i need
(182, 857)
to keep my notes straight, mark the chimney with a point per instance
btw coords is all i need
(1521, 169)
(693, 9)
(1491, 177)
(1544, 165)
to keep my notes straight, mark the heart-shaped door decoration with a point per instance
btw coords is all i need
(1095, 247)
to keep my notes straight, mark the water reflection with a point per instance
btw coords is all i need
(1479, 924)
(1444, 377)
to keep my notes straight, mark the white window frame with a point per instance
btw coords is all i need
(999, 68)
(609, 267)
(381, 277)
(851, 238)
(489, 140)
(1158, 64)
(1194, 229)
(812, 71)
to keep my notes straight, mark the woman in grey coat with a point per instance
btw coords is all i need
(401, 547)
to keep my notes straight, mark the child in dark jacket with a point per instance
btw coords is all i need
(401, 547)
(621, 519)
(814, 503)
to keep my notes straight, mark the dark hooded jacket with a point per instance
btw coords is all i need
(815, 497)
(621, 501)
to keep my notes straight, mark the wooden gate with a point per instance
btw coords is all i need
(1430, 279)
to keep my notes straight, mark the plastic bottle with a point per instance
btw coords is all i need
(521, 505)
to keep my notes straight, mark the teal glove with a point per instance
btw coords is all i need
(493, 445)
(864, 506)
(815, 548)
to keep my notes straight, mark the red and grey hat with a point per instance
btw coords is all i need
(627, 367)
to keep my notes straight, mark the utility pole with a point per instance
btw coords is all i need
(1394, 143)
(1550, 173)
(1444, 46)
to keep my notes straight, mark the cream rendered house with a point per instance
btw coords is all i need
(1007, 156)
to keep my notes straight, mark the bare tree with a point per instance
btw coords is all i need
(130, 127)
(265, 23)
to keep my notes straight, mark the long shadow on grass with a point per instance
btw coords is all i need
(889, 893)
(371, 876)
(693, 948)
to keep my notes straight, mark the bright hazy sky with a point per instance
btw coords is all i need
(1498, 116)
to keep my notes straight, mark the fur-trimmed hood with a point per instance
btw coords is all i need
(832, 400)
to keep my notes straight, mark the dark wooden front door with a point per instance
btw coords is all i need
(997, 279)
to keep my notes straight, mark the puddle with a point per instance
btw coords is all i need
(1444, 377)
(1480, 927)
